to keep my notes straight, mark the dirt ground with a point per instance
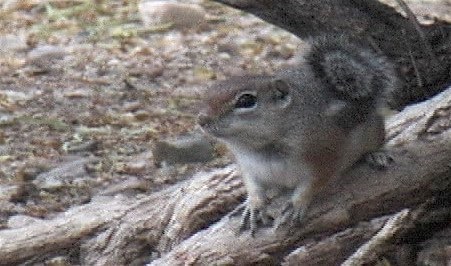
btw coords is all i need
(86, 90)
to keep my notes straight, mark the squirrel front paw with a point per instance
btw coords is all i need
(251, 217)
(290, 215)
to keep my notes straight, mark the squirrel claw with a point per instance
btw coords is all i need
(248, 221)
(250, 218)
(290, 215)
(237, 210)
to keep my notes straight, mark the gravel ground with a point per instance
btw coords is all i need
(86, 90)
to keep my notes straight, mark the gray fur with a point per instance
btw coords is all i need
(309, 123)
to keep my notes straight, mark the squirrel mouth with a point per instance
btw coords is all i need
(210, 126)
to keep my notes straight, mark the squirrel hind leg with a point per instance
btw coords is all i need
(294, 211)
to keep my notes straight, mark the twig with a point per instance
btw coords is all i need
(414, 64)
(416, 24)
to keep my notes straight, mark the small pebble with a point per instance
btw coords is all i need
(184, 149)
(19, 221)
(45, 56)
(12, 43)
(180, 15)
(8, 192)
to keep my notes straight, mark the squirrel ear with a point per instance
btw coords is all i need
(281, 92)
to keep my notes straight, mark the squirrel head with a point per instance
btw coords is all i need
(244, 108)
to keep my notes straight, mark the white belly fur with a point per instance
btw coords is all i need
(273, 171)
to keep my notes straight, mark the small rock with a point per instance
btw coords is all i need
(185, 149)
(18, 96)
(4, 151)
(285, 51)
(190, 92)
(11, 5)
(141, 115)
(133, 168)
(12, 43)
(130, 186)
(63, 174)
(58, 261)
(132, 106)
(78, 93)
(19, 221)
(6, 210)
(45, 56)
(181, 15)
(149, 72)
(85, 146)
(228, 47)
(8, 192)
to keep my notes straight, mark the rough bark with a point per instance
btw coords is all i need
(179, 225)
(117, 231)
(422, 54)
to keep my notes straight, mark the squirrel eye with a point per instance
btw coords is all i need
(246, 101)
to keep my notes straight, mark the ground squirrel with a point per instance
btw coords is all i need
(302, 127)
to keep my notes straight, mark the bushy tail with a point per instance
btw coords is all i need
(352, 70)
